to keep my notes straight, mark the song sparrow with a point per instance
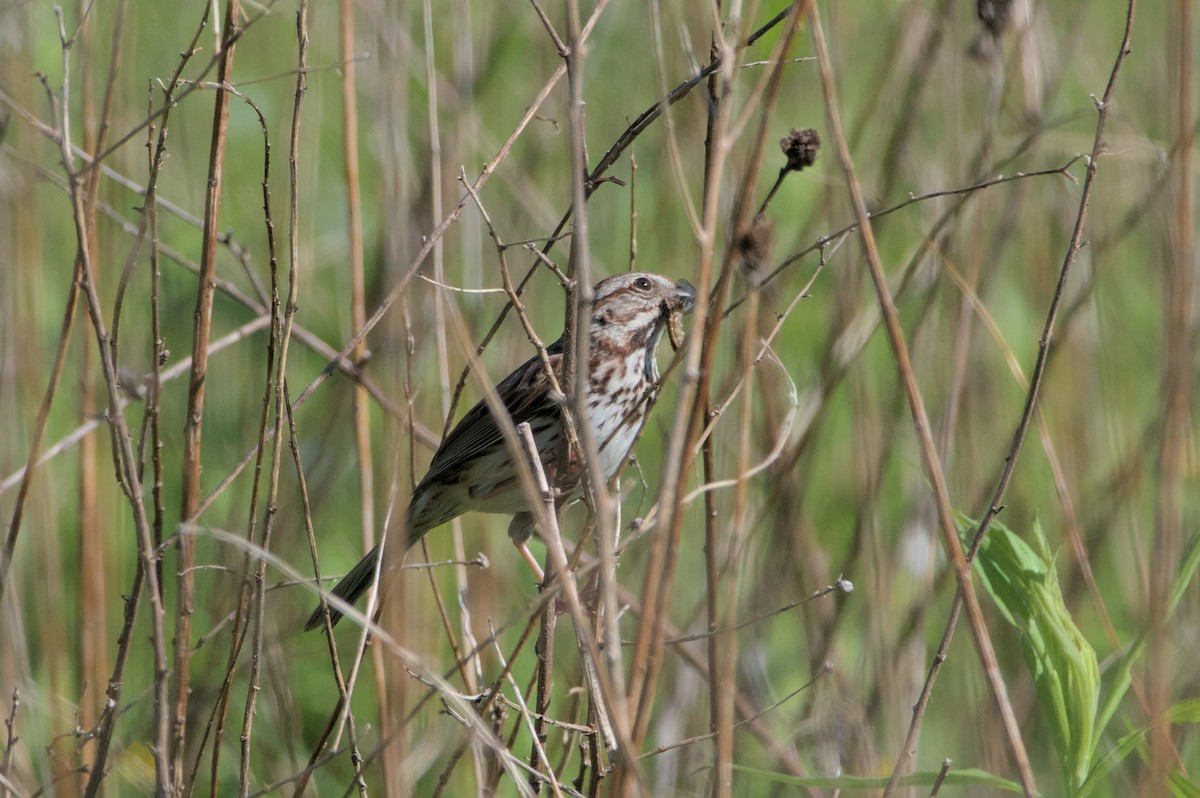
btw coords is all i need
(473, 467)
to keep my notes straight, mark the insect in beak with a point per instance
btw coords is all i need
(684, 301)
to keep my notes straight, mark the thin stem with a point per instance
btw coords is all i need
(929, 455)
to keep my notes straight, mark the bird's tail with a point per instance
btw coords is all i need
(353, 585)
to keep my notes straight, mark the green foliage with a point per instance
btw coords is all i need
(1183, 712)
(972, 270)
(962, 777)
(1024, 585)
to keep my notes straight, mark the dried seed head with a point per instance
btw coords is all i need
(800, 147)
(994, 16)
(754, 249)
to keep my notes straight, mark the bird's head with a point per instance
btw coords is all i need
(631, 310)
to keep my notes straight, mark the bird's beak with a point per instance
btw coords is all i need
(684, 297)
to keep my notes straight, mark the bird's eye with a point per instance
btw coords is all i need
(642, 284)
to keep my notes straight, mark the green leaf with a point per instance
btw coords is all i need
(1024, 584)
(1187, 569)
(970, 777)
(1183, 787)
(1121, 683)
(1183, 712)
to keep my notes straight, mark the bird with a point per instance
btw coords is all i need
(473, 471)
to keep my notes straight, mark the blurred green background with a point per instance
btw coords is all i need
(930, 103)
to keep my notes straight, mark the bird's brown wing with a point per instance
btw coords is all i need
(525, 394)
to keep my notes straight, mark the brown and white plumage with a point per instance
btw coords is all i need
(472, 470)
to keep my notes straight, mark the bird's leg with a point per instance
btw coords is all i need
(533, 563)
(520, 529)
